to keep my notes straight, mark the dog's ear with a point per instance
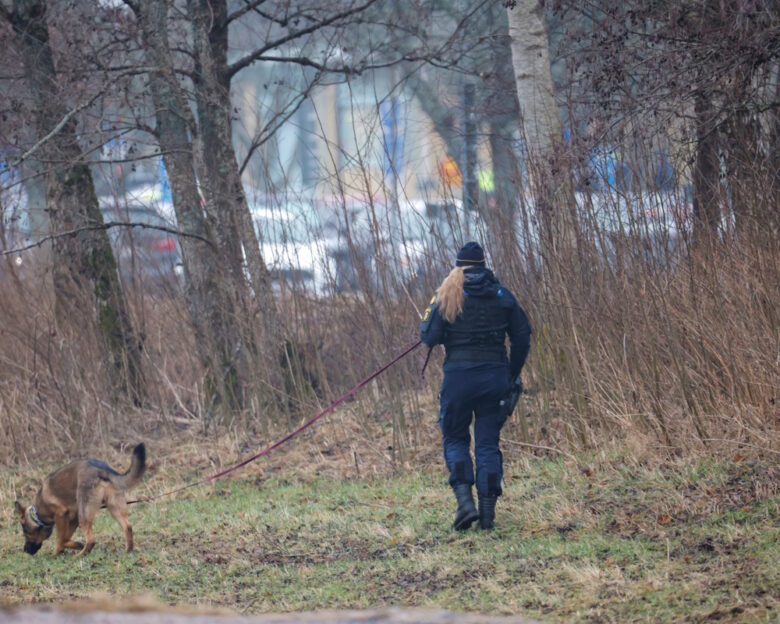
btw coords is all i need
(20, 510)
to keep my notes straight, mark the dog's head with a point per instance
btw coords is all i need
(35, 531)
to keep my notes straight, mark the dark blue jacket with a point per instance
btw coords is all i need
(487, 299)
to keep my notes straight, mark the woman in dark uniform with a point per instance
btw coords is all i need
(471, 315)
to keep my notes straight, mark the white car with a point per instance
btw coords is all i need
(657, 223)
(292, 247)
(366, 239)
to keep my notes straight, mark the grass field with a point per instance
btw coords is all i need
(600, 539)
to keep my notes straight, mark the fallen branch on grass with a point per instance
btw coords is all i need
(541, 447)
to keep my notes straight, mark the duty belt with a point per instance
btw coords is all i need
(476, 355)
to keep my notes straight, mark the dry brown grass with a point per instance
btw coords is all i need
(671, 348)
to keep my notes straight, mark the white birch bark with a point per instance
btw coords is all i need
(531, 62)
(542, 129)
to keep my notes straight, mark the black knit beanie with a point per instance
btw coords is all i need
(470, 254)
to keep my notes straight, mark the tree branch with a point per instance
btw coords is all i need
(443, 119)
(106, 226)
(248, 7)
(259, 140)
(356, 69)
(68, 116)
(62, 123)
(252, 57)
(6, 14)
(307, 62)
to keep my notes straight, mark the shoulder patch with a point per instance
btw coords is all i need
(428, 316)
(429, 309)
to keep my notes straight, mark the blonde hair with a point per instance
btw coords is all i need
(450, 294)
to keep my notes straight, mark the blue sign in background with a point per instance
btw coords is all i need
(392, 136)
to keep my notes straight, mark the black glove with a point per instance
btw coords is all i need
(509, 402)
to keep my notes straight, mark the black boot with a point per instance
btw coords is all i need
(487, 511)
(466, 512)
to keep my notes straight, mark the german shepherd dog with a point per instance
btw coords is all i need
(72, 496)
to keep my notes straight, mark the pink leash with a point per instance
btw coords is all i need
(289, 436)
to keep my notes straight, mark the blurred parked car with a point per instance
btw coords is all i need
(655, 223)
(146, 257)
(292, 247)
(350, 243)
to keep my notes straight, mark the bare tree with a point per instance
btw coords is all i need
(207, 290)
(83, 264)
(541, 124)
(219, 168)
(701, 76)
(291, 33)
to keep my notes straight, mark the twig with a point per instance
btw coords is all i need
(254, 56)
(248, 7)
(104, 226)
(738, 443)
(62, 123)
(265, 134)
(541, 447)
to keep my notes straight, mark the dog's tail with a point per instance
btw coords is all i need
(137, 468)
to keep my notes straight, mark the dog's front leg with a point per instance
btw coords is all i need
(65, 530)
(70, 544)
(63, 533)
(74, 545)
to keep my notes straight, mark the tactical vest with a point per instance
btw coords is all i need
(478, 334)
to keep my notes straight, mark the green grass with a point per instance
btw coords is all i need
(615, 541)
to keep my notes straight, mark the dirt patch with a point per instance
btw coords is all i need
(344, 549)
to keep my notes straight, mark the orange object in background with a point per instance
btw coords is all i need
(449, 171)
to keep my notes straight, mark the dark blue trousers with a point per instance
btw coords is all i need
(469, 393)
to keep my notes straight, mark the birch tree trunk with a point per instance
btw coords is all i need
(83, 264)
(531, 63)
(541, 126)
